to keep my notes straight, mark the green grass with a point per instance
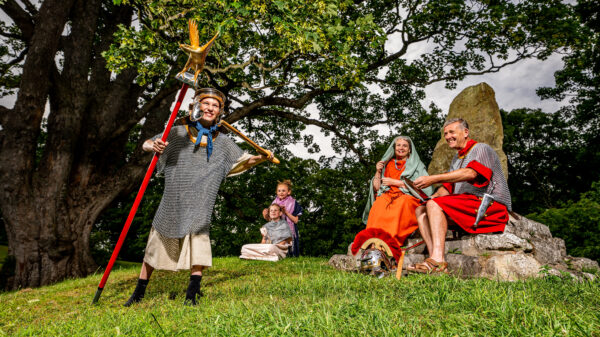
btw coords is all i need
(304, 297)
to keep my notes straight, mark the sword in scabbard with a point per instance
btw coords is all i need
(486, 201)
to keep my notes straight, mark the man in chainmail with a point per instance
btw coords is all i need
(474, 171)
(195, 160)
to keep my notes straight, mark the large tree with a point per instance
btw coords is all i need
(99, 68)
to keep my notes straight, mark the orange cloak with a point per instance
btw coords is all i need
(394, 211)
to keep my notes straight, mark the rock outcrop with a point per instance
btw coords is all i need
(477, 105)
(526, 249)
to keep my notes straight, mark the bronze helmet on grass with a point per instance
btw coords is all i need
(375, 262)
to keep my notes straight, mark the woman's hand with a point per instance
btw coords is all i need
(379, 166)
(392, 182)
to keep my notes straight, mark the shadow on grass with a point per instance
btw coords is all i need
(223, 275)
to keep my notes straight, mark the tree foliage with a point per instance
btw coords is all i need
(577, 222)
(274, 57)
(579, 81)
(542, 150)
(566, 153)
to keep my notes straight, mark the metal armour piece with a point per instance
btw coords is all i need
(375, 262)
(486, 156)
(191, 182)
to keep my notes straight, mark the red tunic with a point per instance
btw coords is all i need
(462, 208)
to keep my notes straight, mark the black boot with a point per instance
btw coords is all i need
(193, 291)
(138, 293)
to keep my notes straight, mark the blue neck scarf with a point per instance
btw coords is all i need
(209, 136)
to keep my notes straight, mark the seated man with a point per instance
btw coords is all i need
(474, 171)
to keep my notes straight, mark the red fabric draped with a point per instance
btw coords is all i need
(462, 153)
(462, 209)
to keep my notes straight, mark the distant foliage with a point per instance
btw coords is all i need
(553, 157)
(542, 150)
(578, 223)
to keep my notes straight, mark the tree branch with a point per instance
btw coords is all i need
(19, 58)
(4, 111)
(297, 103)
(30, 7)
(162, 98)
(11, 36)
(21, 18)
(309, 121)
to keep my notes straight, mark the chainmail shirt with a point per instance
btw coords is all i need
(191, 182)
(278, 231)
(486, 156)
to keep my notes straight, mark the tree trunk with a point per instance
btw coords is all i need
(49, 249)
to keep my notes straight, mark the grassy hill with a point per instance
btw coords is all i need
(304, 297)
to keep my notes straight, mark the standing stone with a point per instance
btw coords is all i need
(477, 105)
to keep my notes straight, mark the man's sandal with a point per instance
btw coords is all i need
(429, 266)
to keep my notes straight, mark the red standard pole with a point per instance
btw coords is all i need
(139, 196)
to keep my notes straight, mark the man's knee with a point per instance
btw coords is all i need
(432, 206)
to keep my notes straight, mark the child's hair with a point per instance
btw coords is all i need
(276, 205)
(279, 207)
(285, 182)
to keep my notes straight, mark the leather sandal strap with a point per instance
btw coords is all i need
(425, 266)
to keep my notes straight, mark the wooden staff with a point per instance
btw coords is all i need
(258, 149)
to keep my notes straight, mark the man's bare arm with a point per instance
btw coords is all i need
(463, 174)
(256, 160)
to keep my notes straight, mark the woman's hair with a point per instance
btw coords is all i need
(285, 182)
(407, 140)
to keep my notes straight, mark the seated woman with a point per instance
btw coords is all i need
(393, 209)
(277, 238)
